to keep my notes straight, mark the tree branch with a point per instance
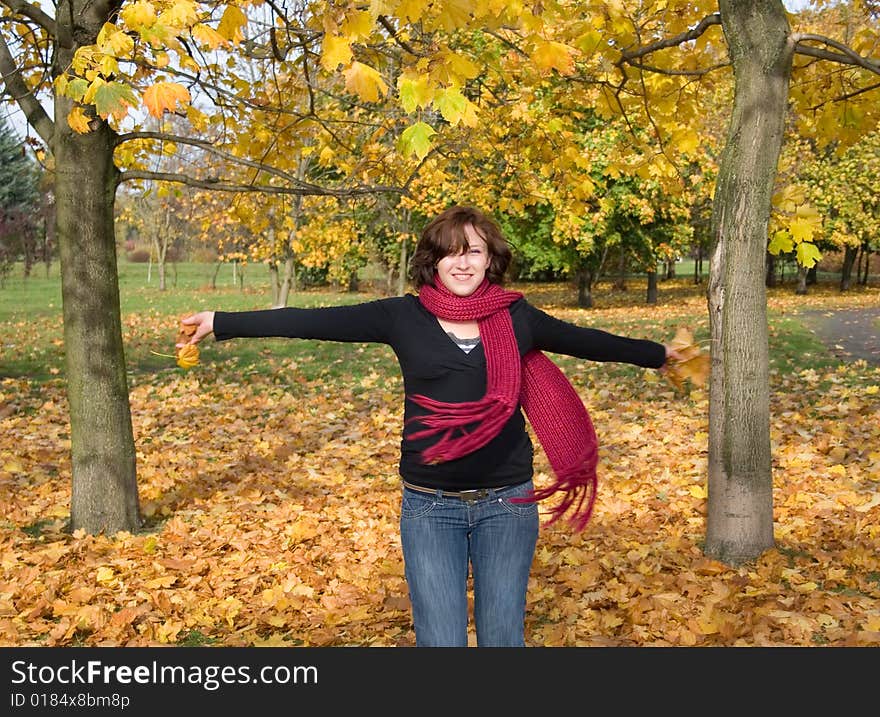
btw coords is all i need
(690, 73)
(847, 96)
(33, 12)
(217, 185)
(209, 147)
(845, 55)
(675, 40)
(386, 23)
(15, 86)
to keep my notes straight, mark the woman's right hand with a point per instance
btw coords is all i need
(204, 323)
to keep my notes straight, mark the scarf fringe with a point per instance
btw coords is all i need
(452, 418)
(579, 486)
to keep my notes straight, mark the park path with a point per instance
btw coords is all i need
(850, 334)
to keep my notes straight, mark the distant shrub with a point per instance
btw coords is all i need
(138, 256)
(204, 255)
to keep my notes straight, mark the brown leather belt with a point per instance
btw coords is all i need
(466, 495)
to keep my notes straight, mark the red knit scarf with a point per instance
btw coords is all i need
(552, 406)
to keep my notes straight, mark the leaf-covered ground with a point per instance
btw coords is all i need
(272, 503)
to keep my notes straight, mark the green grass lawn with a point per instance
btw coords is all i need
(32, 344)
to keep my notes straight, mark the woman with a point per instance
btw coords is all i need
(470, 355)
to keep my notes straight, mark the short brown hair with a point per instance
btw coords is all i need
(444, 235)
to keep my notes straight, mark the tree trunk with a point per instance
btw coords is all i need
(620, 282)
(740, 502)
(770, 279)
(585, 288)
(849, 258)
(801, 288)
(287, 281)
(274, 283)
(698, 266)
(402, 269)
(812, 275)
(651, 296)
(104, 493)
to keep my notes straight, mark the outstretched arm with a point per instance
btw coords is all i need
(557, 336)
(371, 321)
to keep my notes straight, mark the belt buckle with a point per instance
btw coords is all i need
(469, 496)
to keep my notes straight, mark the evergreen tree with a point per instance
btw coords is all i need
(19, 201)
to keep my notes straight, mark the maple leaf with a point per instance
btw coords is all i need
(113, 40)
(188, 356)
(365, 82)
(139, 15)
(693, 364)
(207, 35)
(114, 98)
(165, 96)
(417, 139)
(554, 55)
(781, 243)
(452, 105)
(334, 52)
(808, 254)
(78, 121)
(414, 91)
(232, 24)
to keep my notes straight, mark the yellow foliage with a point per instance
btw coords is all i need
(365, 82)
(335, 51)
(550, 55)
(207, 35)
(78, 121)
(165, 96)
(232, 24)
(138, 15)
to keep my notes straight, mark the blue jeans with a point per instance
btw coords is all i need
(440, 535)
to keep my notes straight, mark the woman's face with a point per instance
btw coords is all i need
(463, 273)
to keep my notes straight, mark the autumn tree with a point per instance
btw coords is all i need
(97, 61)
(468, 75)
(20, 203)
(762, 50)
(842, 186)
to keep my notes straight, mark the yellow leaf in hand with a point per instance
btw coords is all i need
(188, 356)
(693, 364)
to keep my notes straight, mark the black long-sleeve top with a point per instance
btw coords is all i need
(433, 365)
